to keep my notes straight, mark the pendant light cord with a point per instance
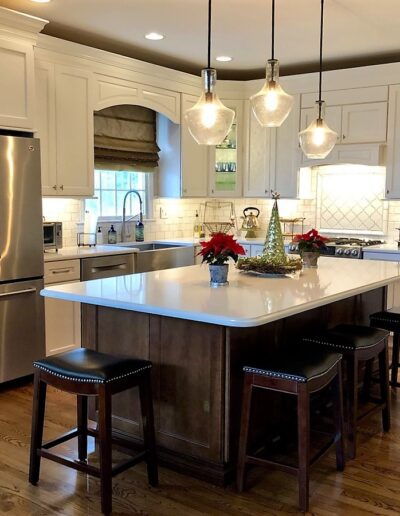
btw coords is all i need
(209, 35)
(320, 59)
(273, 31)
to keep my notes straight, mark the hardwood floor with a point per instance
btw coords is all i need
(369, 485)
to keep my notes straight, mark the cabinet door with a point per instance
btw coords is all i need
(364, 123)
(63, 325)
(74, 131)
(393, 145)
(259, 159)
(16, 85)
(45, 125)
(287, 162)
(194, 158)
(226, 160)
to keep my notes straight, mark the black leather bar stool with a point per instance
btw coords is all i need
(357, 344)
(85, 372)
(390, 320)
(299, 374)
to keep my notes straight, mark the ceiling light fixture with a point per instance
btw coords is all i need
(271, 105)
(154, 36)
(223, 59)
(317, 140)
(209, 121)
(41, 1)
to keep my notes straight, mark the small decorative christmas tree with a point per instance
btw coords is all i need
(274, 247)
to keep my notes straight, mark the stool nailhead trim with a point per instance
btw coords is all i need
(339, 346)
(385, 319)
(90, 380)
(286, 376)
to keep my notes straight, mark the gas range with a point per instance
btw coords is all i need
(342, 247)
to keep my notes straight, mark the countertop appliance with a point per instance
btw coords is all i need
(52, 235)
(342, 247)
(21, 257)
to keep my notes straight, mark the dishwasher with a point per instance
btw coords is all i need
(101, 267)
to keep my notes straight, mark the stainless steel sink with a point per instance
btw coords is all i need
(157, 256)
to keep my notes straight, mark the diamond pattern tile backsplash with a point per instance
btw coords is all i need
(350, 199)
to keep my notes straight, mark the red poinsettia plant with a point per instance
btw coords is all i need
(220, 248)
(310, 242)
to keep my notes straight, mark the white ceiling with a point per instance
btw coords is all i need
(357, 31)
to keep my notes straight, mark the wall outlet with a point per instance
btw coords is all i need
(163, 213)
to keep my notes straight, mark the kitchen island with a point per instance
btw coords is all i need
(199, 337)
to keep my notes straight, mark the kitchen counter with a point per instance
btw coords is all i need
(248, 301)
(382, 248)
(71, 253)
(199, 338)
(196, 241)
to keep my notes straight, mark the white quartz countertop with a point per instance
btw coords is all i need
(71, 253)
(195, 241)
(382, 248)
(185, 292)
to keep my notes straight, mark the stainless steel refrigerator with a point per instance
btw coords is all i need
(21, 257)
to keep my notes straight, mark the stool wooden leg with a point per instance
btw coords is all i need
(395, 360)
(338, 411)
(244, 432)
(39, 404)
(146, 403)
(82, 416)
(352, 404)
(303, 426)
(105, 435)
(384, 385)
(366, 389)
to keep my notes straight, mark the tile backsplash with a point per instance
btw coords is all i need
(339, 204)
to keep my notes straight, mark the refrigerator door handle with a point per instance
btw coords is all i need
(16, 292)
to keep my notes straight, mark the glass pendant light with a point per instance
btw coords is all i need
(317, 140)
(209, 121)
(271, 105)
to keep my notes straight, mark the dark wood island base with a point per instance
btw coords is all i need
(197, 374)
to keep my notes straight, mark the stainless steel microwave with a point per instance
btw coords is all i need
(52, 235)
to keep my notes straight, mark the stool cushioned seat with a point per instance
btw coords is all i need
(86, 365)
(388, 319)
(300, 365)
(348, 337)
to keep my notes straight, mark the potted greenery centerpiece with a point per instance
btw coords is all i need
(216, 252)
(310, 245)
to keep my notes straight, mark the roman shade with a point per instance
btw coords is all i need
(125, 139)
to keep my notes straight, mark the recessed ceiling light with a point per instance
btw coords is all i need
(154, 36)
(41, 1)
(224, 59)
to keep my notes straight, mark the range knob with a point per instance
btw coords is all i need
(354, 252)
(339, 252)
(347, 252)
(293, 248)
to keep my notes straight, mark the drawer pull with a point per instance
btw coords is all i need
(61, 271)
(17, 292)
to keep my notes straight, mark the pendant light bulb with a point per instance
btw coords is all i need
(317, 140)
(271, 105)
(209, 121)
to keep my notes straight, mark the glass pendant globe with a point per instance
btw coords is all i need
(317, 140)
(209, 121)
(271, 105)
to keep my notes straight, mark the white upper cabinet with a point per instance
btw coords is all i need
(64, 124)
(393, 145)
(16, 85)
(194, 158)
(272, 156)
(18, 35)
(364, 123)
(333, 117)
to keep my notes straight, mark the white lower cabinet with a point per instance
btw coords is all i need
(62, 318)
(393, 291)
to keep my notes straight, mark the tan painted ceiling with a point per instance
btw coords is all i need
(357, 31)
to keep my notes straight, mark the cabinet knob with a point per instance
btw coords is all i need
(184, 190)
(62, 187)
(55, 187)
(387, 191)
(212, 191)
(343, 137)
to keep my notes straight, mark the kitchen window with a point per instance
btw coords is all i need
(110, 189)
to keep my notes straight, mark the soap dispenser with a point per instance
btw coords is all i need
(112, 235)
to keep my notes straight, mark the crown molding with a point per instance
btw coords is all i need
(20, 24)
